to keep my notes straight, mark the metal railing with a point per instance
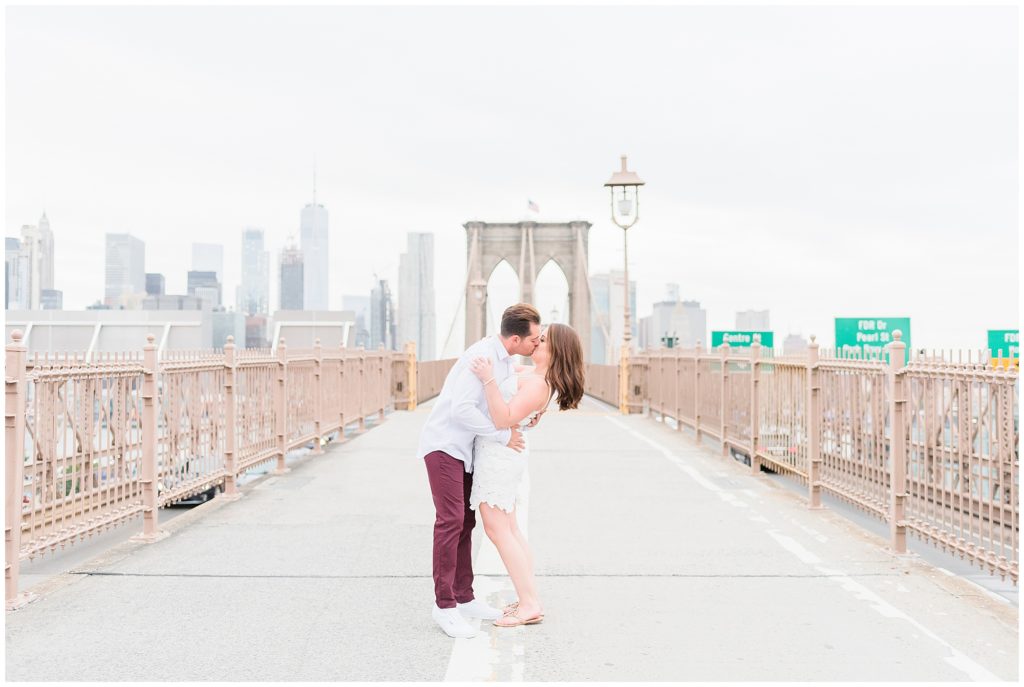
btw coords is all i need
(418, 381)
(104, 439)
(602, 383)
(827, 420)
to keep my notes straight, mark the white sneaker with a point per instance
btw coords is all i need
(452, 622)
(478, 609)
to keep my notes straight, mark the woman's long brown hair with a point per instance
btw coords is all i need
(565, 371)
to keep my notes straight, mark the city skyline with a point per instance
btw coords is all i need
(502, 285)
(833, 201)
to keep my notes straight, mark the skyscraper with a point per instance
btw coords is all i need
(204, 284)
(46, 274)
(672, 292)
(51, 299)
(313, 238)
(686, 321)
(254, 291)
(794, 344)
(256, 331)
(416, 295)
(31, 268)
(291, 276)
(360, 305)
(752, 321)
(382, 317)
(208, 257)
(125, 271)
(156, 285)
(607, 316)
(12, 270)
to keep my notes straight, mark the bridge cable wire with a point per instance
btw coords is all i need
(462, 296)
(600, 316)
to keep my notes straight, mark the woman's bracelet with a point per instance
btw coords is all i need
(489, 381)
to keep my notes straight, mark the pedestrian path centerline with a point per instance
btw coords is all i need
(494, 653)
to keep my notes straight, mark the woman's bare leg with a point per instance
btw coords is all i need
(521, 538)
(498, 525)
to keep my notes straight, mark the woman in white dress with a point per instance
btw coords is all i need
(498, 470)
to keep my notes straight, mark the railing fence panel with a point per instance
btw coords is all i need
(95, 441)
(827, 418)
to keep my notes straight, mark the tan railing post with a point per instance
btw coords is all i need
(679, 390)
(230, 423)
(14, 434)
(662, 384)
(724, 350)
(696, 390)
(897, 444)
(342, 363)
(410, 351)
(813, 420)
(150, 433)
(362, 390)
(379, 385)
(281, 407)
(624, 380)
(755, 406)
(149, 438)
(318, 404)
(638, 374)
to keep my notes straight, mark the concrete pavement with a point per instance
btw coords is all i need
(657, 559)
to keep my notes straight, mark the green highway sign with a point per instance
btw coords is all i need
(741, 339)
(1005, 340)
(869, 335)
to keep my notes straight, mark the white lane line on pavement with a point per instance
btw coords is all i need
(958, 660)
(676, 460)
(473, 659)
(794, 548)
(809, 530)
(477, 659)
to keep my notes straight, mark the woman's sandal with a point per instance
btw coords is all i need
(518, 621)
(511, 608)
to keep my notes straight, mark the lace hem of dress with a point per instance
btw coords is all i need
(494, 500)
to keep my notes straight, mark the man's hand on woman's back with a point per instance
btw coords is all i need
(516, 443)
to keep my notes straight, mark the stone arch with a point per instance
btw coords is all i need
(551, 289)
(527, 247)
(502, 285)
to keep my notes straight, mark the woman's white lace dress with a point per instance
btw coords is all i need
(497, 469)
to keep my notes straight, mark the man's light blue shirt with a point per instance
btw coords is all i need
(460, 413)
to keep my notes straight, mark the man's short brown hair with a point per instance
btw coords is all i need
(516, 319)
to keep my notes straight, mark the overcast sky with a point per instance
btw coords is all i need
(813, 161)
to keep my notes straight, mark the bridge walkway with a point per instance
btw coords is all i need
(657, 559)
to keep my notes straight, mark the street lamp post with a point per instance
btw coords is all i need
(625, 213)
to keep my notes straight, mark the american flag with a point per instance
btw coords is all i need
(532, 206)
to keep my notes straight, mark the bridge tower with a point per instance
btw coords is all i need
(527, 246)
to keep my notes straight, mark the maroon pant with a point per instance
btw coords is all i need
(453, 529)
